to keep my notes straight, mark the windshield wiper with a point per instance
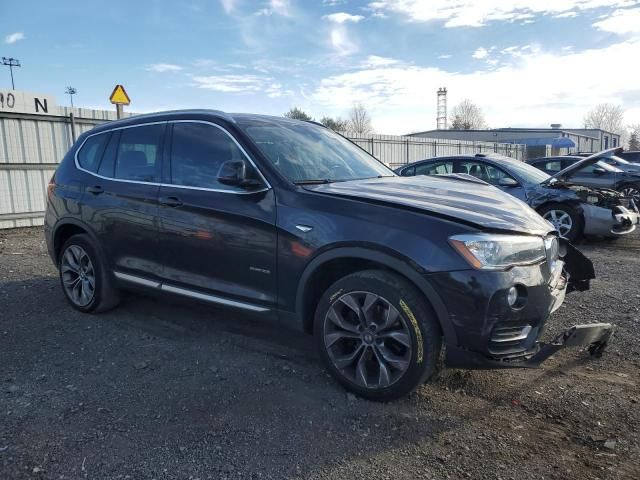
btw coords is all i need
(313, 181)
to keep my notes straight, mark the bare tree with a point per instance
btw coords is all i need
(336, 124)
(606, 116)
(634, 137)
(467, 116)
(359, 121)
(296, 114)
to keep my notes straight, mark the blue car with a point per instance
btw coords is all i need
(574, 210)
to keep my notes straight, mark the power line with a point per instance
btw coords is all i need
(11, 62)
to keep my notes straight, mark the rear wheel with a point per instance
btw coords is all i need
(84, 277)
(564, 218)
(377, 335)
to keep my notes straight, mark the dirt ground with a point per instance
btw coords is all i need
(164, 389)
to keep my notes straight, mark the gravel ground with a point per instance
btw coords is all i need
(165, 389)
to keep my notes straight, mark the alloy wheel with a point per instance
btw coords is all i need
(78, 275)
(561, 220)
(632, 192)
(367, 340)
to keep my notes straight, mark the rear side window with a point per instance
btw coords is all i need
(439, 168)
(91, 151)
(198, 151)
(553, 166)
(138, 154)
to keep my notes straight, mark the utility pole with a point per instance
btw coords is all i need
(11, 62)
(71, 91)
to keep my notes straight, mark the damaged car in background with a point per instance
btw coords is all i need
(609, 171)
(574, 210)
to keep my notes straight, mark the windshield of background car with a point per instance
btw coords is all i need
(307, 152)
(607, 167)
(620, 161)
(525, 172)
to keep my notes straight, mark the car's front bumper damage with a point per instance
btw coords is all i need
(607, 222)
(508, 338)
(594, 336)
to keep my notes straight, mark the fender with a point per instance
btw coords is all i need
(393, 263)
(75, 222)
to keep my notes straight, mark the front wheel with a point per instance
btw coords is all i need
(632, 191)
(564, 218)
(377, 335)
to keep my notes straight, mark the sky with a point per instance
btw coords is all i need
(526, 63)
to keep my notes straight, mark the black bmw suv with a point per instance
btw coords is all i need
(295, 223)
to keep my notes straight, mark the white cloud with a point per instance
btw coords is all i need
(621, 22)
(474, 13)
(480, 53)
(276, 7)
(163, 67)
(528, 92)
(14, 37)
(250, 84)
(228, 5)
(374, 61)
(333, 3)
(343, 17)
(341, 41)
(445, 56)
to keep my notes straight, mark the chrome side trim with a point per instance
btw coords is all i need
(189, 293)
(159, 184)
(213, 298)
(133, 279)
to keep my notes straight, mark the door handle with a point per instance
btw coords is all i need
(170, 201)
(96, 189)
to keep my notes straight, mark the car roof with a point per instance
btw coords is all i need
(478, 156)
(557, 157)
(199, 114)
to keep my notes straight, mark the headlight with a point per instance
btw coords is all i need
(498, 252)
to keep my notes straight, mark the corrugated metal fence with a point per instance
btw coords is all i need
(32, 145)
(396, 151)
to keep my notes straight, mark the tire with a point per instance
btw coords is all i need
(382, 362)
(631, 190)
(564, 212)
(79, 264)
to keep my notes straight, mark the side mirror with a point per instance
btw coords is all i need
(507, 182)
(234, 173)
(599, 171)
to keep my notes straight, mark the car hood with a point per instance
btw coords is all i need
(590, 160)
(460, 199)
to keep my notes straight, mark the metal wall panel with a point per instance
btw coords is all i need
(31, 146)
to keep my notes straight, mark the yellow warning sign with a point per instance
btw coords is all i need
(119, 96)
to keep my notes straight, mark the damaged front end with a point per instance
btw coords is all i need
(571, 272)
(606, 213)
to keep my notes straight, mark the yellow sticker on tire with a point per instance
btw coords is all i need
(416, 328)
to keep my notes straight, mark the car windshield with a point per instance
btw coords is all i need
(607, 167)
(621, 161)
(526, 172)
(304, 152)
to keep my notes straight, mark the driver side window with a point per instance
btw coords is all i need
(198, 151)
